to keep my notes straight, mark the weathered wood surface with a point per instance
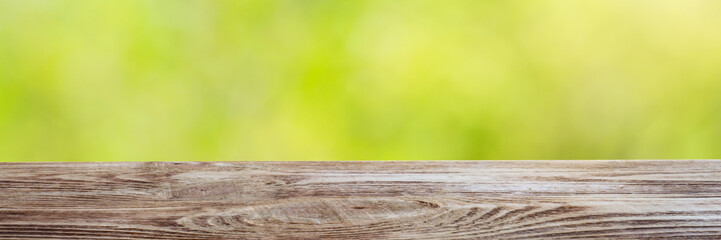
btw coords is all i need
(362, 200)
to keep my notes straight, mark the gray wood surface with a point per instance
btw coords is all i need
(362, 200)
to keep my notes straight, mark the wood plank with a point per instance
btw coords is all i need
(362, 200)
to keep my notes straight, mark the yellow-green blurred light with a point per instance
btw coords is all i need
(175, 80)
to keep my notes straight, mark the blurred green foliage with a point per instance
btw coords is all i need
(132, 80)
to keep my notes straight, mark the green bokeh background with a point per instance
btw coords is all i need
(176, 80)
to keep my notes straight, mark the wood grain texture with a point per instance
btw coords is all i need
(362, 200)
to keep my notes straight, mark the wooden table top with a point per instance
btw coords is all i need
(362, 200)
